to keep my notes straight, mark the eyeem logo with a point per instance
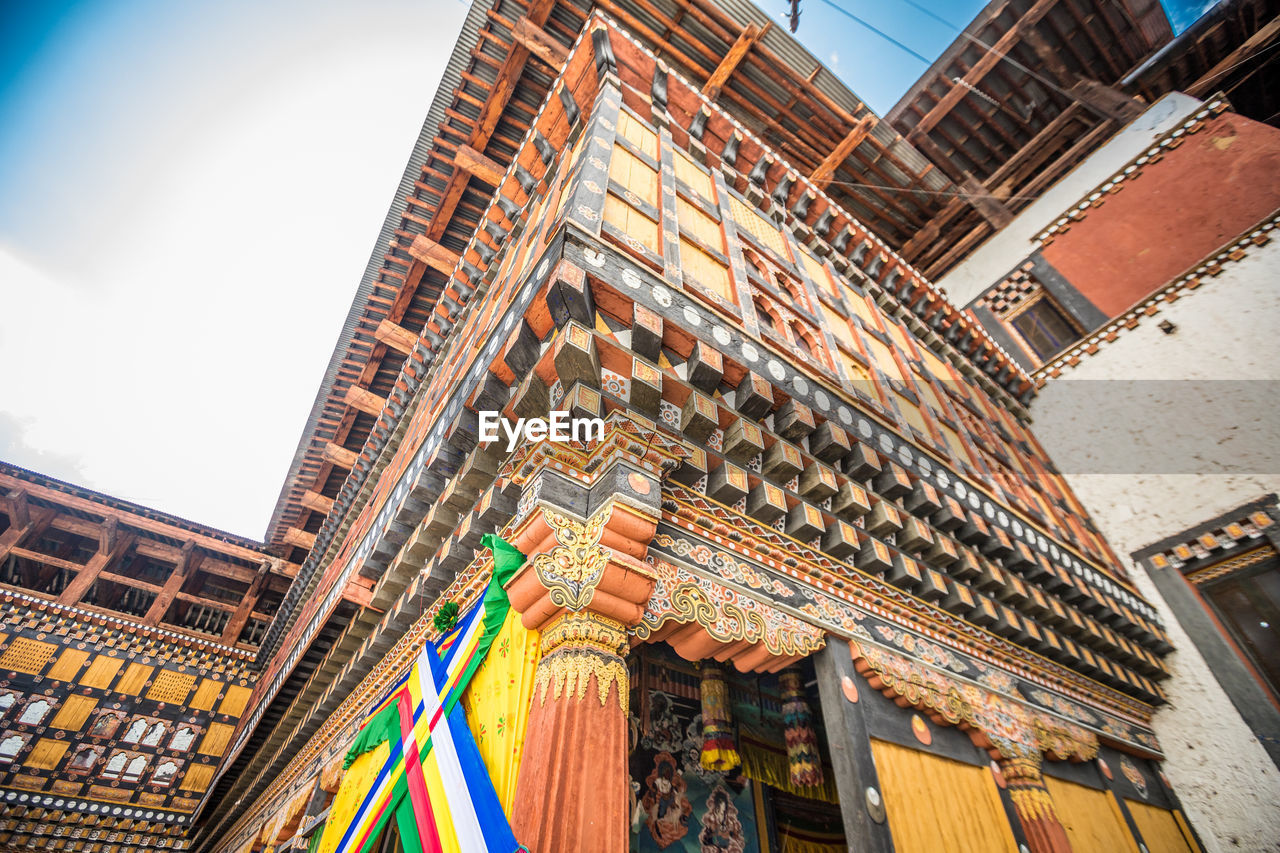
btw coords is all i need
(559, 427)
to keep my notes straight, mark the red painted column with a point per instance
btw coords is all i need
(582, 587)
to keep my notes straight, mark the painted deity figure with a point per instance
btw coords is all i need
(664, 734)
(665, 804)
(721, 829)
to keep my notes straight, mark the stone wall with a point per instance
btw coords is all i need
(1158, 432)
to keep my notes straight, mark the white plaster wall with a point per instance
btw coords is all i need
(1006, 249)
(1197, 442)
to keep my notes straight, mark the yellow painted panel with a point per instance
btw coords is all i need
(700, 225)
(691, 173)
(839, 326)
(74, 712)
(29, 656)
(198, 778)
(133, 679)
(631, 129)
(936, 365)
(631, 222)
(216, 739)
(206, 696)
(858, 305)
(911, 412)
(705, 270)
(1160, 829)
(900, 337)
(634, 174)
(171, 687)
(818, 274)
(101, 672)
(46, 754)
(762, 230)
(68, 665)
(954, 442)
(1091, 818)
(237, 697)
(883, 358)
(935, 803)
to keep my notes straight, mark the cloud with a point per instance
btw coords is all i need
(833, 61)
(15, 448)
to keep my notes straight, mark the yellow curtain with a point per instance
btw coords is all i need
(1091, 818)
(356, 782)
(766, 762)
(937, 804)
(1161, 829)
(497, 704)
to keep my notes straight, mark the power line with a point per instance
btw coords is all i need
(878, 32)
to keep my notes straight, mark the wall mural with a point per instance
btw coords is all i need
(677, 806)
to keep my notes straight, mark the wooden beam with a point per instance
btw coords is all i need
(395, 336)
(990, 207)
(1252, 46)
(235, 624)
(822, 175)
(316, 502)
(16, 507)
(336, 454)
(134, 520)
(173, 584)
(476, 164)
(96, 566)
(364, 400)
(299, 538)
(750, 34)
(109, 533)
(433, 254)
(980, 68)
(538, 43)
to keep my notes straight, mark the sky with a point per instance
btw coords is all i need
(189, 193)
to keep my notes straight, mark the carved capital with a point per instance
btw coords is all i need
(577, 646)
(578, 565)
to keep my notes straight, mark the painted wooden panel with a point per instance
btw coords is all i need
(29, 656)
(74, 712)
(68, 664)
(235, 700)
(934, 803)
(134, 678)
(101, 672)
(1091, 818)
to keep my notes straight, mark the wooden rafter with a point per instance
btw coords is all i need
(478, 165)
(822, 175)
(980, 68)
(535, 40)
(749, 36)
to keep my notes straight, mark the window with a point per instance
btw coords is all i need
(134, 771)
(135, 732)
(1045, 327)
(155, 735)
(10, 747)
(1248, 605)
(84, 758)
(115, 764)
(35, 712)
(165, 773)
(182, 738)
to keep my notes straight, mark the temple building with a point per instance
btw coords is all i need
(822, 582)
(128, 644)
